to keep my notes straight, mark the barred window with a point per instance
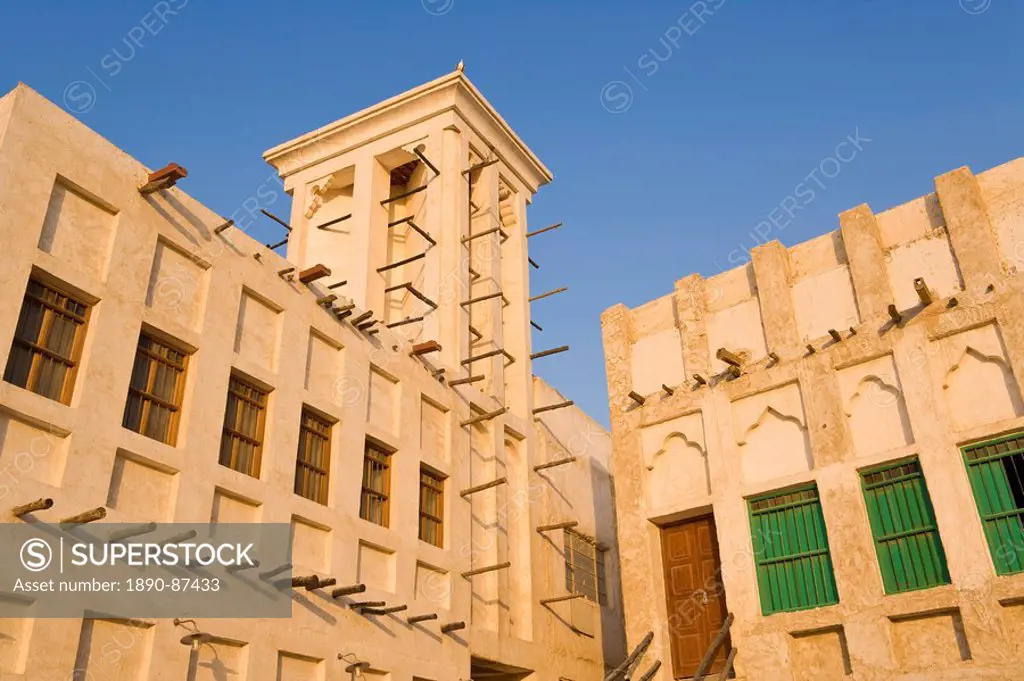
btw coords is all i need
(791, 554)
(241, 444)
(996, 471)
(431, 507)
(47, 342)
(910, 553)
(584, 567)
(313, 463)
(154, 400)
(374, 503)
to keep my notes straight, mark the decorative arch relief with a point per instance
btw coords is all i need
(978, 384)
(875, 409)
(675, 457)
(771, 433)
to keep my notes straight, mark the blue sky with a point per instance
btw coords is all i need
(675, 130)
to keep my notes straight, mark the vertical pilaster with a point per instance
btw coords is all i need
(970, 230)
(774, 294)
(515, 276)
(863, 243)
(448, 225)
(485, 260)
(691, 318)
(637, 568)
(433, 222)
(369, 233)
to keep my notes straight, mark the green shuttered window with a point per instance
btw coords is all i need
(910, 554)
(996, 472)
(794, 568)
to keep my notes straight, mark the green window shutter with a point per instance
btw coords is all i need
(794, 567)
(996, 471)
(910, 553)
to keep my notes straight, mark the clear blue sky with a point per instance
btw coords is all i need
(728, 112)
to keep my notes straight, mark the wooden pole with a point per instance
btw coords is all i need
(476, 358)
(649, 674)
(276, 219)
(98, 513)
(484, 417)
(132, 531)
(383, 611)
(556, 462)
(546, 229)
(923, 294)
(415, 619)
(468, 379)
(403, 195)
(484, 570)
(712, 651)
(426, 161)
(348, 590)
(399, 263)
(552, 407)
(480, 488)
(637, 397)
(566, 525)
(549, 293)
(453, 626)
(548, 353)
(41, 504)
(480, 299)
(559, 599)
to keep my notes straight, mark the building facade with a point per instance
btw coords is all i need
(161, 365)
(827, 443)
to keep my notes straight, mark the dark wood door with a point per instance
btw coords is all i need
(693, 588)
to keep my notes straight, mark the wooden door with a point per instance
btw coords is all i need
(693, 589)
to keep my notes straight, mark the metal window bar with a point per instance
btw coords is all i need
(791, 552)
(581, 567)
(244, 417)
(313, 461)
(374, 503)
(995, 469)
(153, 407)
(902, 520)
(47, 343)
(431, 507)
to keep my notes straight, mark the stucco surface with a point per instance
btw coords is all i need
(71, 211)
(949, 373)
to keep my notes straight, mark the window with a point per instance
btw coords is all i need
(584, 567)
(996, 472)
(910, 553)
(241, 444)
(431, 507)
(374, 503)
(794, 568)
(313, 462)
(153, 407)
(47, 342)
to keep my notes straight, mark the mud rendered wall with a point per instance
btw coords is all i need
(898, 335)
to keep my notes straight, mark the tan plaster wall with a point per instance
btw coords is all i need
(948, 374)
(163, 267)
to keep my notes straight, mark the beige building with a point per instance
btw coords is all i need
(163, 366)
(828, 443)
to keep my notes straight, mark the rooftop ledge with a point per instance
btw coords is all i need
(451, 92)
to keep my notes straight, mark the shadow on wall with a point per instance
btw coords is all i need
(613, 625)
